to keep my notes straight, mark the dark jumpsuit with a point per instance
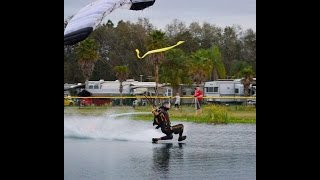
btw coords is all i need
(165, 124)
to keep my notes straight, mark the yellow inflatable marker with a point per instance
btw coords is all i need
(158, 50)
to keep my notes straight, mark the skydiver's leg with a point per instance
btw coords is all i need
(178, 129)
(167, 137)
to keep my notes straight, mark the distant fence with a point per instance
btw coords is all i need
(163, 97)
(141, 100)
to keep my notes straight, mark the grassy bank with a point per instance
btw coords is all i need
(209, 113)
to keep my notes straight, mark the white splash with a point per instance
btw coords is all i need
(113, 127)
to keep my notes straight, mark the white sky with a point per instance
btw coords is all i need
(219, 12)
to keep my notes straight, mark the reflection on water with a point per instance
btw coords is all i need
(161, 158)
(163, 155)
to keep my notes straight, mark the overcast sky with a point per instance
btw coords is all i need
(219, 12)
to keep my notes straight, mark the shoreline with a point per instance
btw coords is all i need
(210, 114)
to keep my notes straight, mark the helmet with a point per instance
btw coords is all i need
(166, 104)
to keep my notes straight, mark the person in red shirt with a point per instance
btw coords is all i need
(198, 97)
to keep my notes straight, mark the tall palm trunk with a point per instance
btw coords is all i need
(87, 68)
(121, 89)
(246, 84)
(156, 78)
(122, 74)
(156, 70)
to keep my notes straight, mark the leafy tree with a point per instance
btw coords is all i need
(248, 49)
(219, 70)
(230, 47)
(174, 69)
(117, 43)
(237, 67)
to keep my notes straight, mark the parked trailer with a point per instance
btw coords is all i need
(223, 88)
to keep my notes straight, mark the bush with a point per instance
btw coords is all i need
(217, 114)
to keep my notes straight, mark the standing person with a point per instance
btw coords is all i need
(198, 98)
(161, 119)
(177, 102)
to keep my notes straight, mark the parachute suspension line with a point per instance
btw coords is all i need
(123, 2)
(104, 14)
(156, 66)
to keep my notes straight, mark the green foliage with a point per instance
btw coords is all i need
(87, 54)
(115, 45)
(217, 114)
(87, 50)
(247, 74)
(201, 66)
(237, 67)
(156, 41)
(248, 48)
(210, 113)
(174, 69)
(121, 72)
(230, 47)
(218, 66)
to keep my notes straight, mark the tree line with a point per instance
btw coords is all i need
(209, 53)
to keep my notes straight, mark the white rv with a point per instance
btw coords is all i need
(223, 88)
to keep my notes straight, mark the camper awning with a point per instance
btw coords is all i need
(139, 91)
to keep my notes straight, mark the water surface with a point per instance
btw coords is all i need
(112, 146)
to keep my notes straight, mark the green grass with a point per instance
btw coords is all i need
(216, 114)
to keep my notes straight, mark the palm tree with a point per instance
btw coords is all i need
(156, 41)
(201, 66)
(247, 74)
(122, 75)
(87, 55)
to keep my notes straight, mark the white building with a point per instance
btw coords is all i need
(130, 87)
(226, 88)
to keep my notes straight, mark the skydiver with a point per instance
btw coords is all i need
(161, 119)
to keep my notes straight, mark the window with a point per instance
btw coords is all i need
(91, 86)
(215, 89)
(236, 90)
(169, 92)
(96, 86)
(209, 89)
